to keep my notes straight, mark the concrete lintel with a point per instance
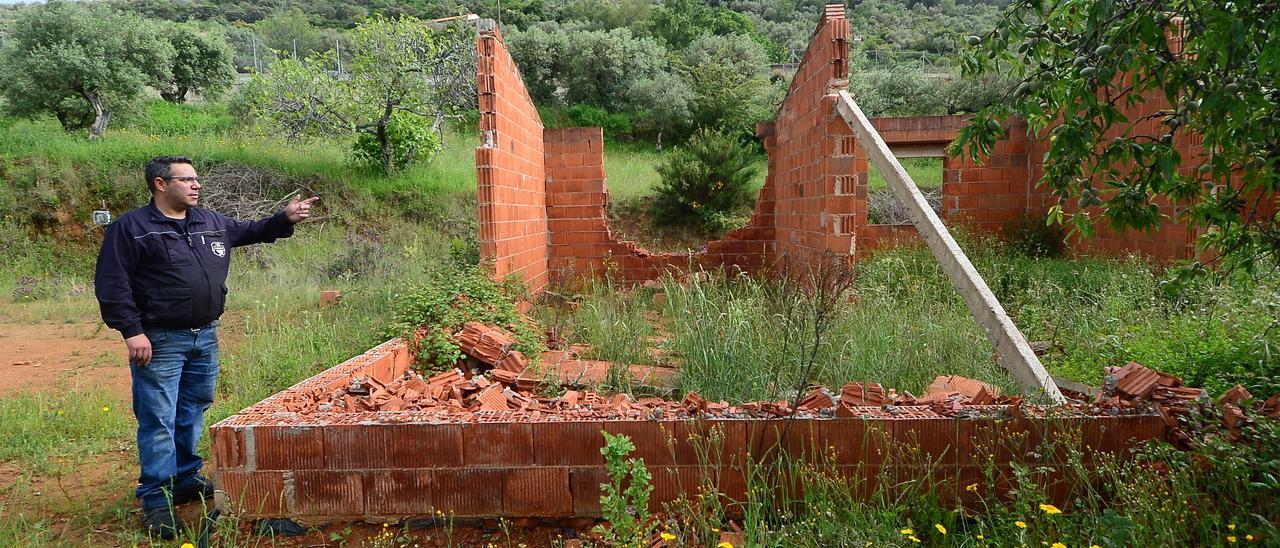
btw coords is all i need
(1015, 354)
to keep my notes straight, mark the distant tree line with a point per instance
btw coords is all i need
(82, 63)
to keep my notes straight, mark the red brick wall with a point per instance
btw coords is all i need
(1174, 239)
(581, 242)
(509, 169)
(269, 462)
(982, 196)
(815, 162)
(987, 195)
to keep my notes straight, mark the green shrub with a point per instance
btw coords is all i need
(452, 296)
(1032, 235)
(411, 139)
(704, 181)
(615, 124)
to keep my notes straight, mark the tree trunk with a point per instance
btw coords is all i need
(385, 143)
(177, 94)
(101, 115)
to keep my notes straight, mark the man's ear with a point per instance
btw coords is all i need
(159, 184)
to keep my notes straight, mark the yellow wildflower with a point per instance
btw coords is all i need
(980, 537)
(106, 409)
(667, 536)
(972, 488)
(940, 528)
(188, 545)
(724, 544)
(1050, 509)
(1058, 545)
(1231, 539)
(1021, 524)
(907, 532)
(1249, 538)
(913, 538)
(1231, 526)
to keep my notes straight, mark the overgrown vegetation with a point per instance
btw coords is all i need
(451, 296)
(1087, 71)
(907, 324)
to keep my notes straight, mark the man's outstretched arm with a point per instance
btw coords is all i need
(272, 228)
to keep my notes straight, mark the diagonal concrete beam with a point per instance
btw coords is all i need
(1015, 353)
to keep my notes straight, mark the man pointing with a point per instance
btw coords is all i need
(161, 281)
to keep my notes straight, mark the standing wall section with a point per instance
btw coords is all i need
(982, 196)
(510, 173)
(816, 162)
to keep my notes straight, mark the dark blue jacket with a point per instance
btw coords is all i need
(150, 274)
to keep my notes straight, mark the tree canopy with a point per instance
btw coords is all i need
(1084, 63)
(403, 75)
(80, 63)
(202, 62)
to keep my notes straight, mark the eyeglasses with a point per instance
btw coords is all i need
(187, 180)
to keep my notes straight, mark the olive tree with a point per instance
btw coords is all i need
(1082, 62)
(80, 63)
(402, 75)
(202, 62)
(727, 78)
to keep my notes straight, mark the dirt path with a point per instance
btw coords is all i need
(38, 357)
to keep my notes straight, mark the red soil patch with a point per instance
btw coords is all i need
(45, 356)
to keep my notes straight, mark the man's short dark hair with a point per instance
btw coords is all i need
(160, 167)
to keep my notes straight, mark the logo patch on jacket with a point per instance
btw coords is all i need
(218, 249)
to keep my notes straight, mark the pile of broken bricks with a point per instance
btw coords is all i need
(1135, 385)
(496, 382)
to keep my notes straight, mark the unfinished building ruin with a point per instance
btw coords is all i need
(367, 438)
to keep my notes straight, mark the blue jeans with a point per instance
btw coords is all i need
(170, 396)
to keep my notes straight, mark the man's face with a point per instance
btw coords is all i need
(181, 189)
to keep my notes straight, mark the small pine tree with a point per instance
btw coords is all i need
(705, 181)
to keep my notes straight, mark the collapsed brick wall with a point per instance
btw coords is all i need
(270, 462)
(510, 174)
(581, 242)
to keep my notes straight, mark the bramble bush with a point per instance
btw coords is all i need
(704, 182)
(452, 296)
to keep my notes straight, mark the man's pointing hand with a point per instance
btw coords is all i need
(299, 209)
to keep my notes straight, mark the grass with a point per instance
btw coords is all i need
(926, 172)
(42, 428)
(906, 324)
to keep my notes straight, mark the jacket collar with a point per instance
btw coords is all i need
(159, 216)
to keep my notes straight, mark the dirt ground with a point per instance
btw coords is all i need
(89, 501)
(47, 355)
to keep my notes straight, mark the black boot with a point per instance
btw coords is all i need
(161, 522)
(200, 489)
